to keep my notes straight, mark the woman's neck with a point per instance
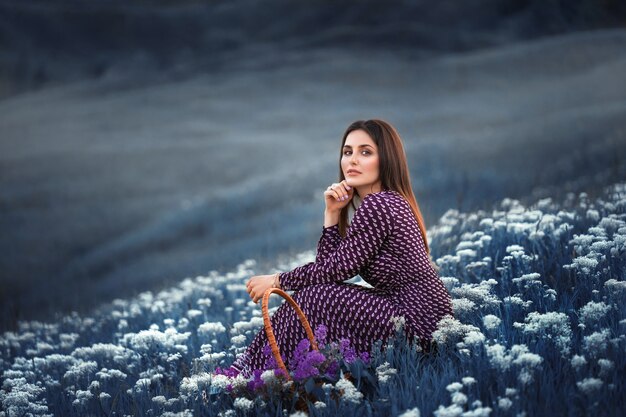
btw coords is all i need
(364, 190)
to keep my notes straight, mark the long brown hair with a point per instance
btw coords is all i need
(393, 170)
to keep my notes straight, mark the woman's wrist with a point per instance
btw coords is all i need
(276, 283)
(331, 218)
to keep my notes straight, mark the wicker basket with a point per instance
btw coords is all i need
(270, 332)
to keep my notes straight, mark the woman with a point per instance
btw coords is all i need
(385, 244)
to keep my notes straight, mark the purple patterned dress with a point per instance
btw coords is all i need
(384, 246)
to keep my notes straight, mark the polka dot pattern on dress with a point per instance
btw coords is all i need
(384, 246)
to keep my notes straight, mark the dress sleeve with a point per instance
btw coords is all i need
(328, 243)
(371, 224)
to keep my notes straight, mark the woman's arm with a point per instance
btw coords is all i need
(330, 238)
(372, 223)
(331, 217)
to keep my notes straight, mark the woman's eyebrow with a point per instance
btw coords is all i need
(360, 146)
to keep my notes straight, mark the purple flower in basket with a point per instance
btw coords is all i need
(229, 372)
(333, 367)
(309, 364)
(256, 382)
(270, 361)
(300, 353)
(321, 332)
(365, 357)
(347, 351)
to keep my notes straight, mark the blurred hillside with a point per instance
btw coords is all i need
(51, 41)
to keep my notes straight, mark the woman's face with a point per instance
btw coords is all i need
(360, 153)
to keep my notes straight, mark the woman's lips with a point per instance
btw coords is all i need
(353, 173)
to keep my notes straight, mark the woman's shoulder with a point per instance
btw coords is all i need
(386, 196)
(382, 201)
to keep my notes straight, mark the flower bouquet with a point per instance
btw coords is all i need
(314, 376)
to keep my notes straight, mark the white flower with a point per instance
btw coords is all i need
(384, 372)
(509, 392)
(606, 366)
(498, 356)
(195, 383)
(193, 313)
(593, 215)
(515, 300)
(269, 376)
(451, 330)
(514, 248)
(454, 387)
(589, 385)
(491, 322)
(552, 325)
(459, 398)
(349, 391)
(82, 397)
(596, 343)
(453, 410)
(319, 405)
(159, 400)
(211, 358)
(593, 312)
(517, 355)
(413, 412)
(504, 403)
(551, 294)
(240, 381)
(243, 403)
(450, 282)
(241, 327)
(468, 380)
(238, 340)
(211, 328)
(462, 306)
(204, 302)
(142, 384)
(615, 287)
(480, 293)
(532, 277)
(528, 360)
(586, 264)
(474, 338)
(81, 370)
(147, 340)
(578, 361)
(478, 412)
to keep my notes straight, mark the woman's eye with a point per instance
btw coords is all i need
(364, 152)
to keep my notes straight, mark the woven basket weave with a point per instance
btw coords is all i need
(270, 332)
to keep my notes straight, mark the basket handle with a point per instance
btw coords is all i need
(270, 332)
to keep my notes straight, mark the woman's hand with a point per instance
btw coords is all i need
(258, 284)
(338, 195)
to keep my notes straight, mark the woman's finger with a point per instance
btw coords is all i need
(338, 192)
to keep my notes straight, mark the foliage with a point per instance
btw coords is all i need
(539, 297)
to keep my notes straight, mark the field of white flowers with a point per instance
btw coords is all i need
(540, 330)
